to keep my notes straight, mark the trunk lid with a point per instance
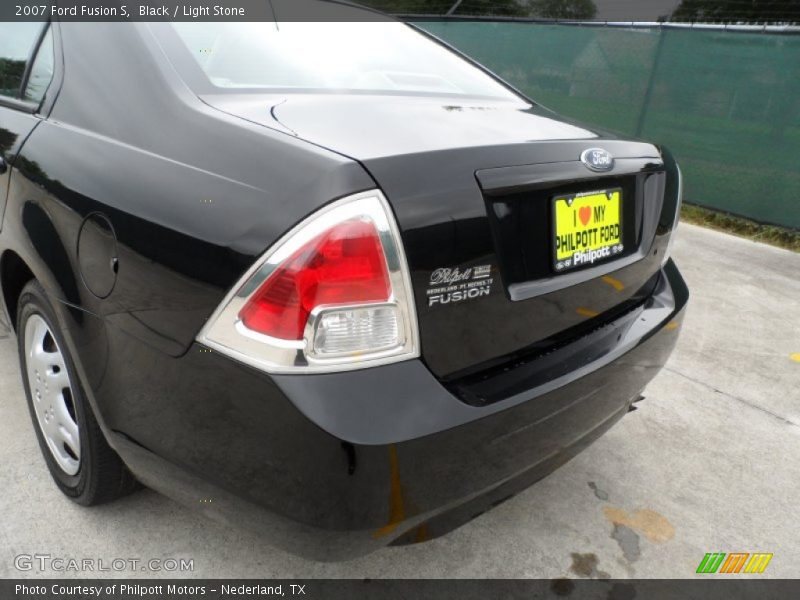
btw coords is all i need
(471, 183)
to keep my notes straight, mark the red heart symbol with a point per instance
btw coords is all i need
(585, 213)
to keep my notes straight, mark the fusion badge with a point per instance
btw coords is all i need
(448, 286)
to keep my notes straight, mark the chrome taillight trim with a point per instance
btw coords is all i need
(675, 219)
(225, 333)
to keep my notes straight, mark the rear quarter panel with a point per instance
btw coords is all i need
(193, 197)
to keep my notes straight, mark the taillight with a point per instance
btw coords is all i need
(333, 294)
(344, 265)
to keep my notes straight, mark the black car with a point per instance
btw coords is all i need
(347, 297)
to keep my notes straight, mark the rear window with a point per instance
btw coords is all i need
(369, 56)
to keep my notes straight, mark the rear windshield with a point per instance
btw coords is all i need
(371, 56)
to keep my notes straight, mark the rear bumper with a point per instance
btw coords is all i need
(335, 466)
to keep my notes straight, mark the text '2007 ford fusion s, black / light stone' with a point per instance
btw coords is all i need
(348, 298)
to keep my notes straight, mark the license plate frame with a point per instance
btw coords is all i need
(578, 241)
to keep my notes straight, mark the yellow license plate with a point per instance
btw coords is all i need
(587, 228)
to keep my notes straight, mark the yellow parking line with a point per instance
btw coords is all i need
(397, 510)
(615, 283)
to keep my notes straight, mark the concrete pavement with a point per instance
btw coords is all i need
(710, 463)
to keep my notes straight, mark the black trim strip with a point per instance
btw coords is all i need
(505, 180)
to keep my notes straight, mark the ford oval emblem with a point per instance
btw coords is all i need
(597, 159)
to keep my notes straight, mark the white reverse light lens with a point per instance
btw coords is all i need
(340, 332)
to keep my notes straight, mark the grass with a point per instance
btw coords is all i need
(758, 232)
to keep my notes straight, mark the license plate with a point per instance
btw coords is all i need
(587, 228)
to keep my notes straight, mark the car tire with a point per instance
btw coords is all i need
(84, 467)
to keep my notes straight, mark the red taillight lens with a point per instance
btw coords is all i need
(332, 294)
(344, 265)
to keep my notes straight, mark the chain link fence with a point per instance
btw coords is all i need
(725, 100)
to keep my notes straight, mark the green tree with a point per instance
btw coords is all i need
(573, 10)
(494, 8)
(760, 11)
(498, 8)
(7, 141)
(415, 7)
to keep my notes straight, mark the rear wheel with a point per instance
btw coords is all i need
(80, 460)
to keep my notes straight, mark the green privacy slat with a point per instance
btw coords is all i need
(726, 103)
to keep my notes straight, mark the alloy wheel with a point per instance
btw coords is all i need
(52, 395)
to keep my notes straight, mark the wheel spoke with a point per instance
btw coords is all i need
(57, 380)
(62, 413)
(55, 359)
(38, 336)
(70, 438)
